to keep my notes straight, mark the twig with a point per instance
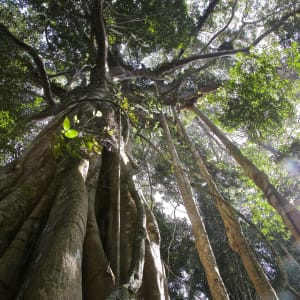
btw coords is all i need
(222, 29)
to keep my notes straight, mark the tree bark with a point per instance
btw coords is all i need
(57, 230)
(98, 278)
(154, 285)
(58, 257)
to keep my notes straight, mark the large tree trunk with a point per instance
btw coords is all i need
(289, 213)
(60, 237)
(234, 233)
(202, 243)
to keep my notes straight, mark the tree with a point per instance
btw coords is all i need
(99, 76)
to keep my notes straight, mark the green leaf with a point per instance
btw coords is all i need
(37, 101)
(151, 29)
(66, 124)
(5, 119)
(110, 132)
(71, 133)
(97, 148)
(89, 145)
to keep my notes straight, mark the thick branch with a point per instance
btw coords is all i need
(167, 67)
(98, 27)
(208, 11)
(37, 60)
(56, 88)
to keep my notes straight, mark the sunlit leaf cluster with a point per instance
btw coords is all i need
(257, 97)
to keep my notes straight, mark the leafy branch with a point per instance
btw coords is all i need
(69, 142)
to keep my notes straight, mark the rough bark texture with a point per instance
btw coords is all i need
(154, 285)
(289, 213)
(58, 257)
(18, 204)
(205, 252)
(97, 274)
(58, 232)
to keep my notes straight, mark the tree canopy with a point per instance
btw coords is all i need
(115, 114)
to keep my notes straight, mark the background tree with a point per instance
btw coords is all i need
(85, 86)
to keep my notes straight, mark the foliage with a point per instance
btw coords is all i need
(293, 57)
(257, 97)
(289, 32)
(5, 120)
(264, 216)
(69, 142)
(181, 269)
(147, 24)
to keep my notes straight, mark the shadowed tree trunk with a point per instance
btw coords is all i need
(75, 220)
(62, 226)
(78, 220)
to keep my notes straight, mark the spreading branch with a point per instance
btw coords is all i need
(172, 66)
(56, 88)
(37, 60)
(202, 20)
(275, 26)
(177, 63)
